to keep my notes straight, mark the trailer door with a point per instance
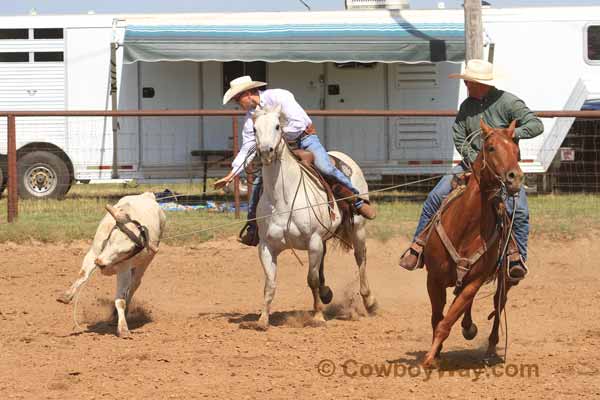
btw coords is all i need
(167, 142)
(354, 86)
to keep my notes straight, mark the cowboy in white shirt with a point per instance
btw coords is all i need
(298, 129)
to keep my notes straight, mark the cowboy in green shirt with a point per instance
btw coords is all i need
(498, 109)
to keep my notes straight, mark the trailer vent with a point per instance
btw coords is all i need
(373, 4)
(412, 133)
(416, 76)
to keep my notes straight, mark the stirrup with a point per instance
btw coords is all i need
(416, 250)
(517, 263)
(249, 234)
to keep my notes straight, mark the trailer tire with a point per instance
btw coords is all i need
(42, 175)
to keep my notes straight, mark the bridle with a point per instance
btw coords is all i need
(502, 189)
(277, 147)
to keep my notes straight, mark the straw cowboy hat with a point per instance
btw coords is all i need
(239, 85)
(478, 71)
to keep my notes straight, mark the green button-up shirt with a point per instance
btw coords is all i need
(498, 109)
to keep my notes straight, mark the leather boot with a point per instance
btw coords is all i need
(412, 258)
(362, 207)
(249, 234)
(517, 269)
(366, 210)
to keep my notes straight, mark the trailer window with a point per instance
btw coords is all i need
(234, 69)
(48, 33)
(48, 56)
(593, 42)
(14, 34)
(355, 65)
(14, 57)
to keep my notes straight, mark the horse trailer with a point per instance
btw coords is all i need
(336, 60)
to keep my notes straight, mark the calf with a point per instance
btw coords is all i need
(125, 243)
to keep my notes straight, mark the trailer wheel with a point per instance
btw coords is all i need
(42, 175)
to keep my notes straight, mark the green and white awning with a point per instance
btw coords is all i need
(273, 37)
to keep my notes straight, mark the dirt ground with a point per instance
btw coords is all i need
(187, 342)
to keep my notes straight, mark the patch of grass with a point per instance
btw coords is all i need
(77, 216)
(564, 216)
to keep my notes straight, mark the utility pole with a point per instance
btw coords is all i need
(473, 29)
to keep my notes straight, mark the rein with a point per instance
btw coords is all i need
(464, 264)
(486, 165)
(302, 182)
(282, 146)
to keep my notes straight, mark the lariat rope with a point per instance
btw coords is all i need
(306, 207)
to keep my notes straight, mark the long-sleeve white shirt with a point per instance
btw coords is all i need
(296, 117)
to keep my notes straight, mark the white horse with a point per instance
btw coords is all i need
(286, 186)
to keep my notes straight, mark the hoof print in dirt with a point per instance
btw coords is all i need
(254, 326)
(316, 323)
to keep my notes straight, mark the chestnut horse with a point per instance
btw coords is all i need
(472, 224)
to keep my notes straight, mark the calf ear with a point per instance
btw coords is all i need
(117, 214)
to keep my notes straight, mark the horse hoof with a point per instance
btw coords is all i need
(470, 333)
(317, 323)
(431, 363)
(491, 359)
(124, 334)
(64, 298)
(372, 309)
(326, 294)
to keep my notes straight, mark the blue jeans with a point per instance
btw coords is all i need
(444, 187)
(322, 163)
(255, 196)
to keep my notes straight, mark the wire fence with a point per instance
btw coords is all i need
(576, 165)
(48, 152)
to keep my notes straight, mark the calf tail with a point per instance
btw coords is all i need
(79, 289)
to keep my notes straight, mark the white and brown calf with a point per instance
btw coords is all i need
(125, 243)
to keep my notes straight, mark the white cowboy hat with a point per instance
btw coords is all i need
(239, 85)
(478, 71)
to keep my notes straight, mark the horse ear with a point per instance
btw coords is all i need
(511, 128)
(485, 129)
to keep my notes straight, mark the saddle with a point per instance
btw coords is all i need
(334, 189)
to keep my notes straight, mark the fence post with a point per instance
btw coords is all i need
(236, 180)
(13, 206)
